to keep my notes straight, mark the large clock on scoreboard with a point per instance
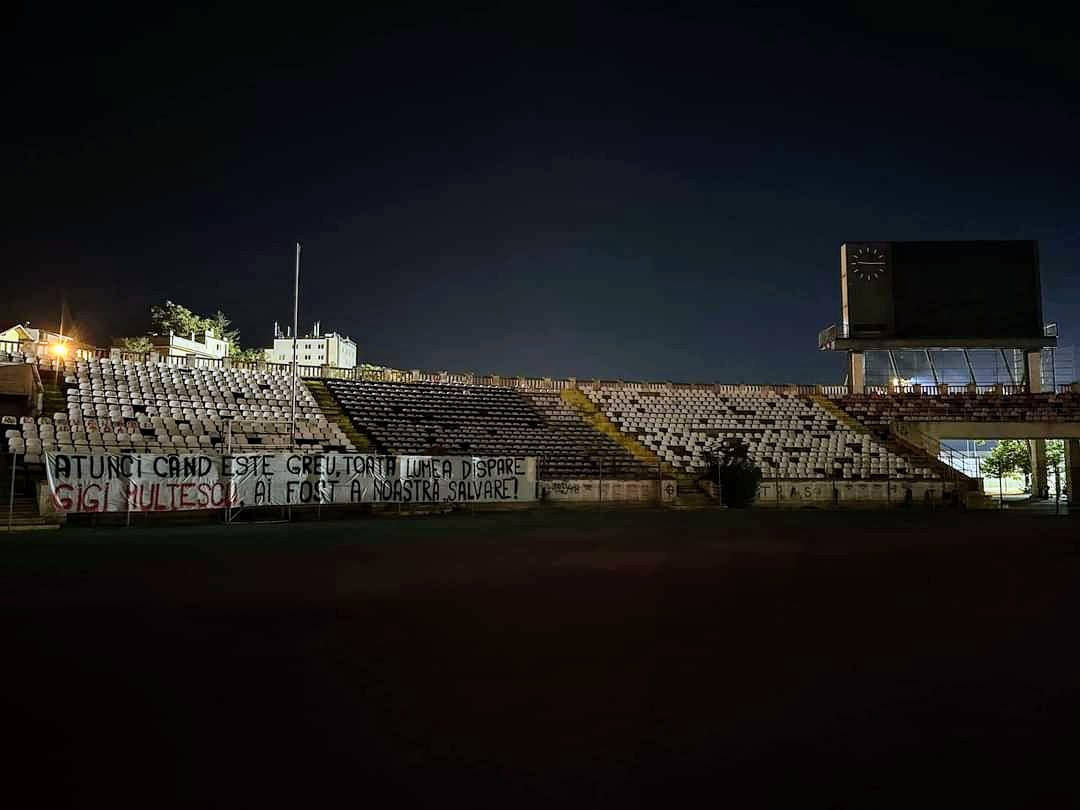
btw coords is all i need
(867, 262)
(867, 289)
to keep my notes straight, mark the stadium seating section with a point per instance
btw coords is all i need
(420, 418)
(149, 408)
(789, 436)
(879, 411)
(142, 407)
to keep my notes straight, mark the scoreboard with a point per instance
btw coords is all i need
(950, 290)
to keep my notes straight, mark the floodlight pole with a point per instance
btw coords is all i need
(11, 494)
(295, 371)
(295, 319)
(56, 356)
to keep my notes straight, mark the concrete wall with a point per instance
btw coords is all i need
(587, 490)
(997, 430)
(793, 492)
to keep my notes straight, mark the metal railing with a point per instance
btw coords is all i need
(549, 384)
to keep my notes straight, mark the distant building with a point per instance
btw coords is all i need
(313, 349)
(40, 342)
(198, 345)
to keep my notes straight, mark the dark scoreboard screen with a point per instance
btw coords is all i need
(982, 289)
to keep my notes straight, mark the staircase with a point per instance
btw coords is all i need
(692, 496)
(689, 495)
(24, 516)
(599, 422)
(332, 410)
(54, 399)
(906, 449)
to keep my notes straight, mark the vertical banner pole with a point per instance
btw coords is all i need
(11, 495)
(228, 454)
(295, 319)
(295, 371)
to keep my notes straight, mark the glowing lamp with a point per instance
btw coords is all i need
(59, 349)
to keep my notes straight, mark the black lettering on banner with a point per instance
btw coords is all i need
(62, 465)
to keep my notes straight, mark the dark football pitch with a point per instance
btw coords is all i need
(601, 658)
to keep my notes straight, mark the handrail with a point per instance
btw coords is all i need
(555, 385)
(950, 459)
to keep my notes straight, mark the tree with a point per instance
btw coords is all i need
(246, 355)
(220, 324)
(737, 474)
(139, 344)
(1009, 457)
(173, 317)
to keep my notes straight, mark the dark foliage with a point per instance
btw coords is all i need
(737, 475)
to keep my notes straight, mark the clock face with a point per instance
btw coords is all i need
(867, 263)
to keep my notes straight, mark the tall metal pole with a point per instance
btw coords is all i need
(11, 494)
(295, 374)
(295, 319)
(58, 357)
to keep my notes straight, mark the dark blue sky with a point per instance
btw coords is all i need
(641, 193)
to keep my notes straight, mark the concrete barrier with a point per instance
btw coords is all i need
(589, 490)
(823, 493)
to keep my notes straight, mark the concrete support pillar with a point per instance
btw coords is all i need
(1034, 372)
(1072, 469)
(856, 373)
(1040, 487)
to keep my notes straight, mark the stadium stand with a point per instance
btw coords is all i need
(149, 407)
(877, 411)
(422, 418)
(16, 357)
(789, 436)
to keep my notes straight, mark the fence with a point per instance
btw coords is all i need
(550, 384)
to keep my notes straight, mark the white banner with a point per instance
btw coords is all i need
(85, 482)
(275, 479)
(96, 482)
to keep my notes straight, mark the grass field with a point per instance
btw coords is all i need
(599, 658)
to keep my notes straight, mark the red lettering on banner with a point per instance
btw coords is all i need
(62, 496)
(185, 490)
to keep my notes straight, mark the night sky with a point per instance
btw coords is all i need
(636, 194)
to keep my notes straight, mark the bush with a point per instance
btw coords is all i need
(738, 476)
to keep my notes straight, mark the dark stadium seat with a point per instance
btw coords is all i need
(452, 419)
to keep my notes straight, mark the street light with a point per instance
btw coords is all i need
(58, 349)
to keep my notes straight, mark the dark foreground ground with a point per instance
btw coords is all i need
(603, 659)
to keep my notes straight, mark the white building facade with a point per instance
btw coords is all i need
(202, 345)
(315, 349)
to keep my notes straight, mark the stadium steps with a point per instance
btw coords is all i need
(332, 410)
(24, 516)
(598, 421)
(901, 447)
(53, 399)
(692, 496)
